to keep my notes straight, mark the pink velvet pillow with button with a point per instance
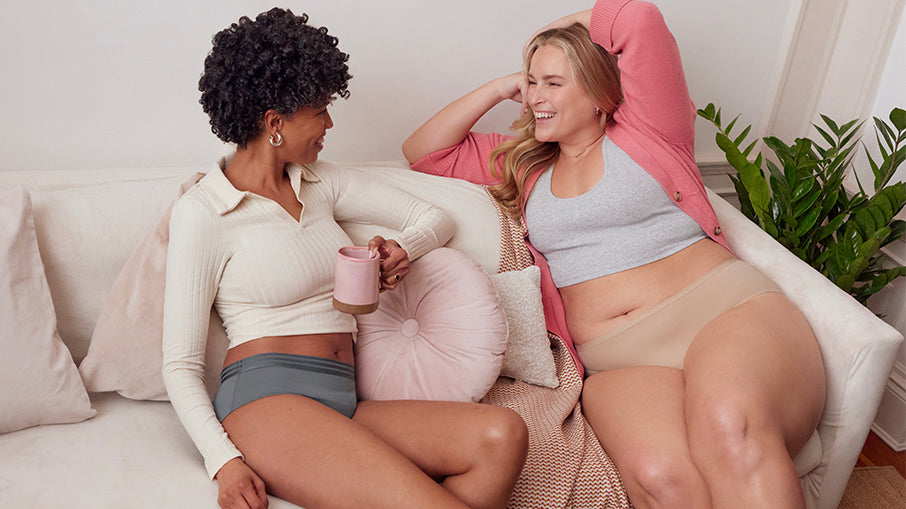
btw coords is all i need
(440, 335)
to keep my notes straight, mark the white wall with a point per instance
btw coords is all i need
(107, 84)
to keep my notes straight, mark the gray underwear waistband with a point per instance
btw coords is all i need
(327, 381)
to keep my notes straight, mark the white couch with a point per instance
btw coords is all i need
(136, 454)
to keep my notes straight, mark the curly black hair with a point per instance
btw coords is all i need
(276, 62)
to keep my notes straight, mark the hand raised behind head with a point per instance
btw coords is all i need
(583, 17)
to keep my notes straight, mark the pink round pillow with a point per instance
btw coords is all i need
(440, 335)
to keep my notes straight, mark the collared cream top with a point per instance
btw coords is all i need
(267, 273)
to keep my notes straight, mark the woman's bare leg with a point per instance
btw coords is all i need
(755, 388)
(749, 397)
(476, 451)
(638, 415)
(313, 456)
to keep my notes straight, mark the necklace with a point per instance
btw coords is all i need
(584, 150)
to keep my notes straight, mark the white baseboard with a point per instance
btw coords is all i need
(890, 422)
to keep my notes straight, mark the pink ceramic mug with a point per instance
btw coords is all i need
(356, 286)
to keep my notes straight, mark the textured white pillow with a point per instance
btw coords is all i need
(39, 383)
(528, 353)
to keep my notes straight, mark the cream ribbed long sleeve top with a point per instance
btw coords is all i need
(267, 273)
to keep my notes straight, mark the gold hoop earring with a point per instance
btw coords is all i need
(276, 139)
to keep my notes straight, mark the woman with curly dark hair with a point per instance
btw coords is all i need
(256, 238)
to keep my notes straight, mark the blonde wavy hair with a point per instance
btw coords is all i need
(595, 70)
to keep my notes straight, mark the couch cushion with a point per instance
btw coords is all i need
(85, 234)
(39, 383)
(133, 454)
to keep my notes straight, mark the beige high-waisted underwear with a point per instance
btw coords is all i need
(661, 335)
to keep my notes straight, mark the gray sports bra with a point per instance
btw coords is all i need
(625, 221)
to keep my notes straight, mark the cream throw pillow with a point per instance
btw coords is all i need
(125, 354)
(528, 354)
(39, 383)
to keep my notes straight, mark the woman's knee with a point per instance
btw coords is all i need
(665, 480)
(499, 437)
(730, 436)
(505, 431)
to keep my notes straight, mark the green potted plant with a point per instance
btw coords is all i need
(801, 200)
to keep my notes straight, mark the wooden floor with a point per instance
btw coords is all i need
(876, 453)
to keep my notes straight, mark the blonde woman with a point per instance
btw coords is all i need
(703, 380)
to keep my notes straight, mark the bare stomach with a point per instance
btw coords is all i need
(600, 305)
(335, 346)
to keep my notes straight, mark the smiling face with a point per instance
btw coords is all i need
(303, 133)
(563, 111)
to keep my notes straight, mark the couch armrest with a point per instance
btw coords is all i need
(858, 348)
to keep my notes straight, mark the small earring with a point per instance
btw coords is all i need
(597, 110)
(276, 139)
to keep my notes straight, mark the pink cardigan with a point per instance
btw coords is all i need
(655, 126)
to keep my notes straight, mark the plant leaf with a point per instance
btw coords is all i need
(756, 185)
(865, 221)
(877, 215)
(886, 131)
(802, 188)
(808, 222)
(879, 281)
(801, 201)
(867, 250)
(742, 136)
(898, 118)
(730, 125)
(845, 282)
(806, 203)
(852, 238)
(832, 226)
(897, 230)
(745, 205)
(827, 137)
(830, 123)
(731, 151)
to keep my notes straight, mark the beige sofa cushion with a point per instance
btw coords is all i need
(85, 234)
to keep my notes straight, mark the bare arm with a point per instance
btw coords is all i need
(583, 17)
(239, 486)
(450, 125)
